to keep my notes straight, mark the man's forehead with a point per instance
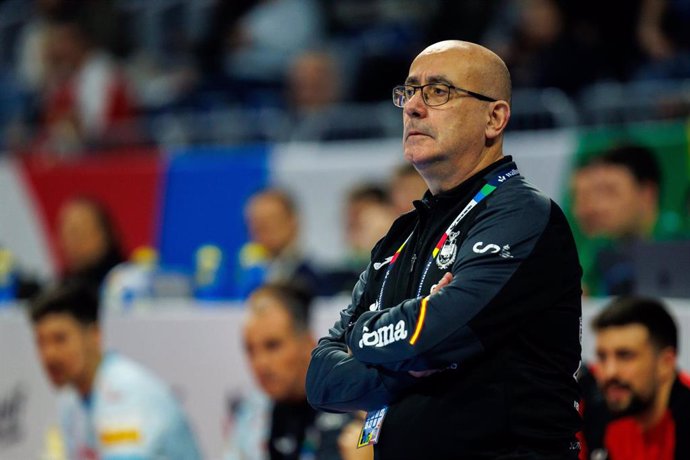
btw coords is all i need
(447, 67)
(447, 45)
(267, 315)
(58, 318)
(434, 78)
(629, 335)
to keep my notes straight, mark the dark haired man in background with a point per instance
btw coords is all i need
(278, 423)
(110, 407)
(649, 400)
(616, 205)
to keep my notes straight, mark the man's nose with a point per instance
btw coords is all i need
(608, 369)
(261, 361)
(415, 106)
(47, 351)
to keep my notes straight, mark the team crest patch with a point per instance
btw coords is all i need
(448, 252)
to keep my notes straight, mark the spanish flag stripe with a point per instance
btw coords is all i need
(420, 321)
(440, 244)
(397, 253)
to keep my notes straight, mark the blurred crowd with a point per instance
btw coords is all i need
(91, 75)
(101, 73)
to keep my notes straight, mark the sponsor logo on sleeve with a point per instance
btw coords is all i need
(384, 335)
(481, 248)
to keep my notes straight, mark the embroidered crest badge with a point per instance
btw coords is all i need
(448, 252)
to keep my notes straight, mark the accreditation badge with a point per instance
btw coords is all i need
(371, 428)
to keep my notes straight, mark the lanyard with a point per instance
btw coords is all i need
(388, 270)
(491, 184)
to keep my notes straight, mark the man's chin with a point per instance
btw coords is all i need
(627, 408)
(59, 382)
(422, 160)
(618, 407)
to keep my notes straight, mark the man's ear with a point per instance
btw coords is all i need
(93, 333)
(650, 192)
(499, 115)
(667, 362)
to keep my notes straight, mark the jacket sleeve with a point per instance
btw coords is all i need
(337, 382)
(505, 245)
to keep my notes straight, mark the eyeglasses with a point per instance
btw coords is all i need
(433, 94)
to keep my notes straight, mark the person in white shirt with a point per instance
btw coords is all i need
(110, 406)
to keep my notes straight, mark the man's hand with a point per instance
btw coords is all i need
(445, 281)
(420, 374)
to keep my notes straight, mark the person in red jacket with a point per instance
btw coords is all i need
(647, 397)
(86, 101)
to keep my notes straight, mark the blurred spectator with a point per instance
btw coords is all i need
(110, 407)
(273, 254)
(369, 215)
(315, 105)
(31, 65)
(88, 241)
(664, 38)
(616, 203)
(617, 194)
(313, 82)
(278, 422)
(565, 44)
(636, 370)
(161, 84)
(466, 20)
(313, 89)
(262, 43)
(603, 35)
(22, 83)
(85, 100)
(163, 68)
(377, 37)
(223, 19)
(533, 38)
(406, 186)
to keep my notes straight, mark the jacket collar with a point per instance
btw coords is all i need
(463, 188)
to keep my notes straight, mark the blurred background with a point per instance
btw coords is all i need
(233, 142)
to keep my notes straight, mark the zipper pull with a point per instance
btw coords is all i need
(414, 259)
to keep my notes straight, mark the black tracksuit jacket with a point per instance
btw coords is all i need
(505, 333)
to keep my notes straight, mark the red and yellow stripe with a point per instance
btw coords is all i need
(440, 245)
(420, 321)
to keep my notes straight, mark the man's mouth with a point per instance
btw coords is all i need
(55, 374)
(413, 133)
(616, 389)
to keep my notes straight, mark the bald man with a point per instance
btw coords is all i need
(462, 338)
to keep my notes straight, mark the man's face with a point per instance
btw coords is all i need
(64, 345)
(446, 132)
(278, 355)
(629, 368)
(608, 201)
(271, 224)
(367, 222)
(405, 189)
(82, 238)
